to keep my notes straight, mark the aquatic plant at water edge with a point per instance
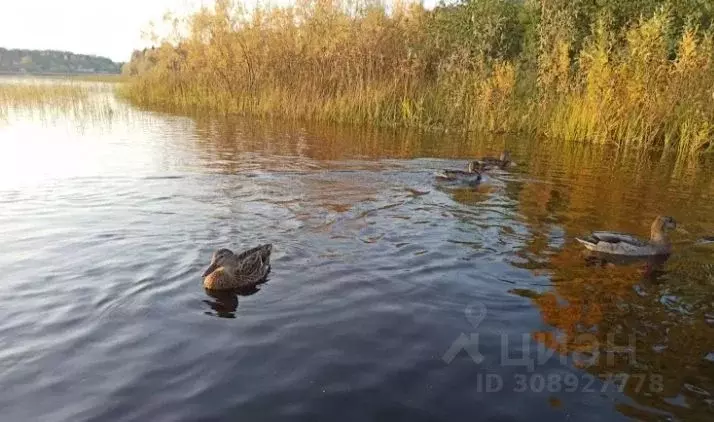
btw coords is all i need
(54, 97)
(629, 73)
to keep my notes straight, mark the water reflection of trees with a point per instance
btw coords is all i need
(219, 138)
(624, 309)
(558, 191)
(655, 316)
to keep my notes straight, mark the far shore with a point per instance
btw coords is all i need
(105, 77)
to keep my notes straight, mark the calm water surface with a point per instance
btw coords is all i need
(391, 297)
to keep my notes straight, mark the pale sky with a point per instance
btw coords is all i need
(101, 27)
(105, 28)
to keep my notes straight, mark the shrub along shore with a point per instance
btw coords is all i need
(630, 72)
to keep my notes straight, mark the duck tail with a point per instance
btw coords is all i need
(265, 251)
(587, 242)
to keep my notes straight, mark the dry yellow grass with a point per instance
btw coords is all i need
(493, 65)
(50, 97)
(15, 94)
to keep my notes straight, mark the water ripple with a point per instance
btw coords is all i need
(103, 315)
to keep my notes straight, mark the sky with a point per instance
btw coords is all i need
(105, 28)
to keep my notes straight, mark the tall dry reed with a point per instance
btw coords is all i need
(612, 73)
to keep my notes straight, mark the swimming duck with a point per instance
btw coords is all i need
(625, 244)
(472, 175)
(503, 161)
(231, 271)
(706, 239)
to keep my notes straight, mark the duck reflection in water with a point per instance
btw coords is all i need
(225, 302)
(652, 266)
(469, 195)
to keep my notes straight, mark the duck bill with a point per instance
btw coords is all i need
(681, 229)
(210, 269)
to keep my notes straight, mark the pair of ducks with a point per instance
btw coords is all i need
(473, 173)
(612, 243)
(249, 268)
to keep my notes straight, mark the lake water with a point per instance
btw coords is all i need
(391, 297)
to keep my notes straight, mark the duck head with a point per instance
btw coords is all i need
(217, 260)
(660, 226)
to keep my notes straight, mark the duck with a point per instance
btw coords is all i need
(706, 239)
(230, 271)
(472, 175)
(503, 161)
(615, 243)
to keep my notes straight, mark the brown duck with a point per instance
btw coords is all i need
(231, 271)
(616, 243)
(471, 175)
(503, 161)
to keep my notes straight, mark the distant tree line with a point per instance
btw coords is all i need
(52, 61)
